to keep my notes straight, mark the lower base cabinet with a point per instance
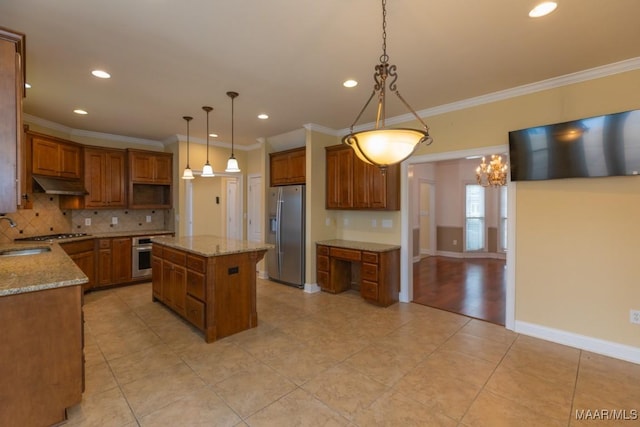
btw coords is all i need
(83, 254)
(42, 369)
(216, 294)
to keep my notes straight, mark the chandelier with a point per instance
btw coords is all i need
(492, 174)
(385, 146)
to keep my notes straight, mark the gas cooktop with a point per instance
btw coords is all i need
(50, 237)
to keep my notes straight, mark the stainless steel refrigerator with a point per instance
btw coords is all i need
(285, 263)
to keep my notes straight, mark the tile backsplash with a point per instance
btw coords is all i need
(46, 217)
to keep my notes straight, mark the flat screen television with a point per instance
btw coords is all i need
(599, 146)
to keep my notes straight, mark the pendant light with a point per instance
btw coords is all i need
(232, 163)
(207, 170)
(385, 146)
(188, 173)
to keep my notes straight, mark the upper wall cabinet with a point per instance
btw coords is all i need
(12, 91)
(354, 184)
(288, 167)
(105, 178)
(55, 157)
(150, 179)
(150, 167)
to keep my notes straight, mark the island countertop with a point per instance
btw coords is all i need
(30, 273)
(210, 246)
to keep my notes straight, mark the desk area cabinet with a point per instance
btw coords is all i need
(371, 268)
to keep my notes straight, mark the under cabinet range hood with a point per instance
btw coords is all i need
(50, 185)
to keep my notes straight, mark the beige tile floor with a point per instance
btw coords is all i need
(334, 360)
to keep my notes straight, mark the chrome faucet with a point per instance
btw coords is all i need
(11, 222)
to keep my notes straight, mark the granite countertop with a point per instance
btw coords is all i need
(361, 246)
(107, 235)
(209, 246)
(37, 272)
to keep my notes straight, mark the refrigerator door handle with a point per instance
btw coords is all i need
(278, 229)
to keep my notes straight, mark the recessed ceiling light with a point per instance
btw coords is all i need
(81, 112)
(263, 116)
(27, 85)
(213, 135)
(543, 9)
(101, 74)
(350, 83)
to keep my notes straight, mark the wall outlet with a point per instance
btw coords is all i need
(327, 221)
(634, 316)
(455, 242)
(374, 223)
(387, 223)
(87, 221)
(148, 218)
(114, 220)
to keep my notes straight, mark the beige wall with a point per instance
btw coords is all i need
(575, 239)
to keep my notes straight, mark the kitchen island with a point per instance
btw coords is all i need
(209, 281)
(41, 355)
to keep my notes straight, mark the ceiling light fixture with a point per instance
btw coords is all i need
(543, 9)
(385, 146)
(188, 173)
(207, 169)
(101, 74)
(27, 85)
(350, 83)
(492, 174)
(81, 112)
(263, 116)
(232, 163)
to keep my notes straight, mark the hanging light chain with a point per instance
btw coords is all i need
(384, 58)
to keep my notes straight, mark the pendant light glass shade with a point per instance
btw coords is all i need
(232, 163)
(188, 173)
(385, 146)
(207, 169)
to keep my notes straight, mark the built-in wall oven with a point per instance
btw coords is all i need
(141, 257)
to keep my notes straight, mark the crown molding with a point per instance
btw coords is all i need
(322, 129)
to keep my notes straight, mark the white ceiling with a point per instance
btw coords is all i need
(288, 58)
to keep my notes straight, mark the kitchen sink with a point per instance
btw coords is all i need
(24, 251)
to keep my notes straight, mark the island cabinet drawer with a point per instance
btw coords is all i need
(369, 290)
(369, 272)
(322, 250)
(104, 243)
(156, 251)
(175, 257)
(196, 263)
(195, 312)
(370, 257)
(323, 263)
(195, 285)
(348, 254)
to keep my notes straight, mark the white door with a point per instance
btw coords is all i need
(234, 220)
(254, 201)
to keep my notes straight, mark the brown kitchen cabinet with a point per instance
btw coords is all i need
(150, 167)
(354, 184)
(51, 156)
(12, 56)
(114, 261)
(83, 254)
(372, 269)
(42, 367)
(150, 179)
(288, 167)
(105, 178)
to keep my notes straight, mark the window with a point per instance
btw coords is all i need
(474, 224)
(502, 232)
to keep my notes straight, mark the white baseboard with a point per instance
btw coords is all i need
(311, 288)
(595, 345)
(462, 255)
(262, 274)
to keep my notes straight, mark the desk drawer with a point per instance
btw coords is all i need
(323, 280)
(196, 263)
(369, 272)
(369, 290)
(348, 254)
(195, 312)
(322, 250)
(371, 257)
(323, 263)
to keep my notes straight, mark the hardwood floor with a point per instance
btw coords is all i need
(473, 287)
